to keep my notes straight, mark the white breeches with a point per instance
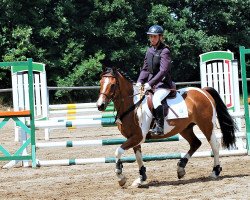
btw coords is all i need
(159, 95)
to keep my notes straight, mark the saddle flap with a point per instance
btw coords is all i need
(177, 106)
(173, 107)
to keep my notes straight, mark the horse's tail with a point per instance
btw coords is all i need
(227, 125)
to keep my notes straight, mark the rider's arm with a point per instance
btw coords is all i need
(165, 65)
(143, 77)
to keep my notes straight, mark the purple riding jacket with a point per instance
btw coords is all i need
(160, 78)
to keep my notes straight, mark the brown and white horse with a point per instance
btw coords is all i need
(202, 105)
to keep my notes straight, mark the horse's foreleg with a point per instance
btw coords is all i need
(118, 169)
(142, 170)
(130, 143)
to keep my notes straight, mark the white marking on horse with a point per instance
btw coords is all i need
(201, 91)
(139, 158)
(215, 147)
(167, 127)
(106, 82)
(187, 156)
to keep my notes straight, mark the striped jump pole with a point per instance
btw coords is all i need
(75, 106)
(103, 142)
(94, 117)
(117, 141)
(72, 106)
(76, 111)
(103, 122)
(133, 159)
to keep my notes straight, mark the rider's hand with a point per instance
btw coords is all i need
(138, 88)
(138, 84)
(147, 87)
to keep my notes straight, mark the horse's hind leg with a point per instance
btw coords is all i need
(211, 138)
(142, 169)
(194, 143)
(215, 148)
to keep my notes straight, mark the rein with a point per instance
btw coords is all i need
(130, 109)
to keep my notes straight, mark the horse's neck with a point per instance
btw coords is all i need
(125, 98)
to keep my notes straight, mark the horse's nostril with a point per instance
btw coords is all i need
(101, 107)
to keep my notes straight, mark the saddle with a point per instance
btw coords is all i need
(166, 108)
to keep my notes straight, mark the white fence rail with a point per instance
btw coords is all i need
(98, 87)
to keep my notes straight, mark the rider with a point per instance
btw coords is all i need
(155, 73)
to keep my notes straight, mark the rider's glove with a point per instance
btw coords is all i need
(147, 87)
(138, 84)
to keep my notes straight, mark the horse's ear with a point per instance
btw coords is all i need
(104, 65)
(114, 69)
(104, 68)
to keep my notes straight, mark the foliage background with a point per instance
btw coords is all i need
(76, 38)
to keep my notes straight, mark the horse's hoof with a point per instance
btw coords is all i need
(216, 171)
(213, 175)
(181, 172)
(137, 182)
(122, 181)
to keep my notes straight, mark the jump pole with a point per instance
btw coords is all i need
(103, 122)
(133, 159)
(75, 106)
(77, 111)
(117, 141)
(76, 117)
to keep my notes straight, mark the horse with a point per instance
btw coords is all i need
(134, 124)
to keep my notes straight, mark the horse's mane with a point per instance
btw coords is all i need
(113, 71)
(126, 76)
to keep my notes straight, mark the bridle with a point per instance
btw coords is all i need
(111, 96)
(114, 98)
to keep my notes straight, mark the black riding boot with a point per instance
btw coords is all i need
(159, 115)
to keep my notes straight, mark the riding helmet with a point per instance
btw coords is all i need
(155, 30)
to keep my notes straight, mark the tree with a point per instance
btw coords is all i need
(75, 39)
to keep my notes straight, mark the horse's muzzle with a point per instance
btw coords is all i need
(101, 107)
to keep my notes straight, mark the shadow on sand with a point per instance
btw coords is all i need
(195, 180)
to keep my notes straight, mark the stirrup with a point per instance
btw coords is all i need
(157, 131)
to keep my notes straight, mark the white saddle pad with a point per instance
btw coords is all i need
(179, 106)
